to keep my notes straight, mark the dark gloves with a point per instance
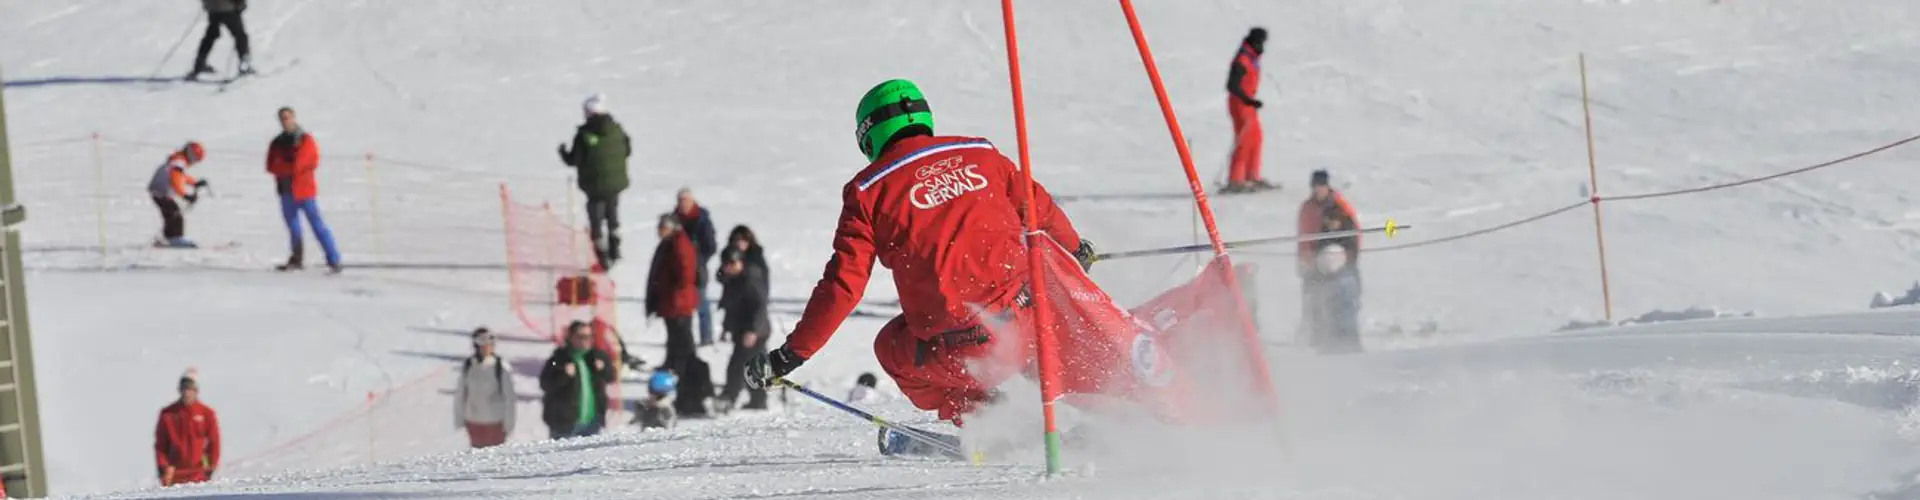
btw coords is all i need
(1255, 103)
(1086, 255)
(192, 199)
(201, 183)
(762, 369)
(565, 156)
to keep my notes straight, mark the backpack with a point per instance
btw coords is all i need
(499, 372)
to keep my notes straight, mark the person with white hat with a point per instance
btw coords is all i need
(600, 151)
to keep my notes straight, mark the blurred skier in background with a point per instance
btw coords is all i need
(1329, 271)
(223, 13)
(170, 185)
(600, 151)
(574, 382)
(1243, 83)
(186, 441)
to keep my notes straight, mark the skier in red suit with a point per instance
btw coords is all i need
(944, 214)
(1243, 83)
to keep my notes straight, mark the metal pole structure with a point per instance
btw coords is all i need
(1263, 378)
(1049, 355)
(21, 463)
(1593, 182)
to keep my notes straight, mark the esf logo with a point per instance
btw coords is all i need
(936, 168)
(939, 188)
(1150, 364)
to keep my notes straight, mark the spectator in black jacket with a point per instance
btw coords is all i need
(698, 224)
(223, 13)
(743, 296)
(575, 384)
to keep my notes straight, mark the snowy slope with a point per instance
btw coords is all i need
(1450, 115)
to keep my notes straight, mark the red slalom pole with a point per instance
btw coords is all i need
(1042, 330)
(1255, 355)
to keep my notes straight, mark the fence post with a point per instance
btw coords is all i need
(100, 195)
(373, 205)
(1593, 182)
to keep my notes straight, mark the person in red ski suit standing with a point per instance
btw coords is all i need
(186, 442)
(1243, 83)
(944, 214)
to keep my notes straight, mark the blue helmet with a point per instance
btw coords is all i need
(663, 382)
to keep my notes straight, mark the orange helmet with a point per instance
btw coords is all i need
(194, 151)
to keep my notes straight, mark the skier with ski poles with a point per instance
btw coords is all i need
(1243, 83)
(169, 185)
(944, 214)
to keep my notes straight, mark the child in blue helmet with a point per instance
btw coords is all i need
(656, 411)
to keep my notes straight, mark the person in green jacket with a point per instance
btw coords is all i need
(575, 381)
(600, 151)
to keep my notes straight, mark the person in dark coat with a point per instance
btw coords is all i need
(743, 296)
(574, 381)
(223, 13)
(698, 224)
(673, 295)
(600, 151)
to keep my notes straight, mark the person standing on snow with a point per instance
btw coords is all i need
(574, 385)
(600, 151)
(483, 403)
(1243, 82)
(672, 295)
(1330, 286)
(171, 181)
(744, 296)
(292, 158)
(698, 223)
(186, 442)
(944, 213)
(223, 13)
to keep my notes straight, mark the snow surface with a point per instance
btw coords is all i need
(1449, 115)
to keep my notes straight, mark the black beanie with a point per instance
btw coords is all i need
(1319, 178)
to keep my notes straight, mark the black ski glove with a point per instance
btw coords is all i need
(565, 157)
(201, 183)
(1086, 255)
(192, 199)
(762, 369)
(1256, 103)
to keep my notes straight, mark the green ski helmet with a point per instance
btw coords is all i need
(888, 108)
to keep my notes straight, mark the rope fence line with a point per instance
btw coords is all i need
(374, 400)
(1743, 182)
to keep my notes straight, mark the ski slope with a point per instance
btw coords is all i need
(1452, 116)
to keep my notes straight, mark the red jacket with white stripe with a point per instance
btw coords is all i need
(943, 213)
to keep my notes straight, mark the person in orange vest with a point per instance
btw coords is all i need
(1329, 271)
(186, 442)
(1243, 83)
(171, 182)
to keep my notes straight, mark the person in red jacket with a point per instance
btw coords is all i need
(1329, 282)
(944, 214)
(673, 294)
(186, 442)
(292, 158)
(1243, 83)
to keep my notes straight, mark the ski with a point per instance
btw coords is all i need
(240, 78)
(894, 439)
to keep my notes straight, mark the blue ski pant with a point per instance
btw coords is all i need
(291, 210)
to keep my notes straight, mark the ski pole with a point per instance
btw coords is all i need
(176, 47)
(1390, 229)
(916, 434)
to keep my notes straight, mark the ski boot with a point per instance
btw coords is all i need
(1264, 185)
(199, 69)
(293, 263)
(246, 65)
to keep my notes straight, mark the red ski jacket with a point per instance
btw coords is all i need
(944, 214)
(672, 281)
(292, 159)
(1313, 215)
(187, 439)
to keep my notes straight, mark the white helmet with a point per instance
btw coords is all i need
(1331, 259)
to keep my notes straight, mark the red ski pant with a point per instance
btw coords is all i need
(1246, 143)
(952, 374)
